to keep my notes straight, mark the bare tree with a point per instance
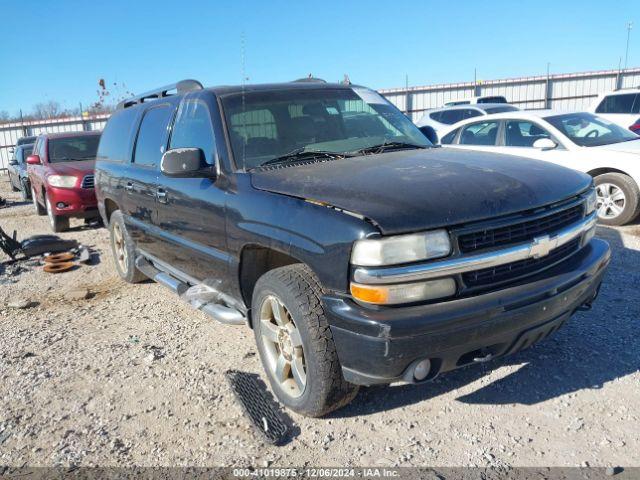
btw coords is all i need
(50, 109)
(4, 116)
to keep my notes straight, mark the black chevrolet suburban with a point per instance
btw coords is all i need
(321, 217)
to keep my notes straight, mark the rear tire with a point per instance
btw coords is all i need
(58, 223)
(309, 349)
(39, 209)
(13, 187)
(24, 191)
(123, 250)
(618, 199)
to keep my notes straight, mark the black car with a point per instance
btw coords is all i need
(17, 170)
(360, 254)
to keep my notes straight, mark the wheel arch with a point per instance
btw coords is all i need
(255, 261)
(602, 170)
(110, 206)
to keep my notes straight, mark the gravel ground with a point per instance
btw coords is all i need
(132, 376)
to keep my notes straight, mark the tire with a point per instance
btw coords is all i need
(24, 191)
(39, 209)
(13, 187)
(123, 250)
(618, 199)
(298, 291)
(58, 223)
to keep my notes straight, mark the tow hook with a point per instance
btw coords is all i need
(586, 306)
(486, 358)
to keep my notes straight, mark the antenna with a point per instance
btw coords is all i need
(244, 78)
(626, 55)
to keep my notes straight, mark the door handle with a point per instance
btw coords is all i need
(129, 187)
(161, 195)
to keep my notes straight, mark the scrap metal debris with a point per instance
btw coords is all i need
(257, 402)
(58, 267)
(33, 246)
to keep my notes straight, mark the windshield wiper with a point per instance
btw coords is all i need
(301, 154)
(387, 146)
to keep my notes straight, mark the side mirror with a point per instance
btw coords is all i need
(185, 163)
(34, 160)
(13, 163)
(430, 133)
(544, 144)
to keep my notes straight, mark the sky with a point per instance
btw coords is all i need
(58, 50)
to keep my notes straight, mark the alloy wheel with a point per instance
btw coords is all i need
(283, 346)
(119, 247)
(610, 200)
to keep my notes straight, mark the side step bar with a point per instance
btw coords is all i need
(221, 313)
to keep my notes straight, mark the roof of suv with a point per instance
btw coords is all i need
(476, 106)
(263, 87)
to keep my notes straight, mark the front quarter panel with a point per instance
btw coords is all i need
(314, 234)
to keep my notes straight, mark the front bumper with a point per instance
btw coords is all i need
(384, 345)
(79, 202)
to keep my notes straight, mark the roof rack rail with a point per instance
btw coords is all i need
(182, 86)
(310, 79)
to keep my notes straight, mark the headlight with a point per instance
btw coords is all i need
(403, 293)
(591, 201)
(401, 249)
(62, 181)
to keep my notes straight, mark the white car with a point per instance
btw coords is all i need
(619, 106)
(476, 100)
(438, 119)
(580, 140)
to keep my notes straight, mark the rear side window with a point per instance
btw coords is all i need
(452, 116)
(152, 135)
(193, 129)
(448, 138)
(435, 116)
(626, 103)
(483, 133)
(116, 137)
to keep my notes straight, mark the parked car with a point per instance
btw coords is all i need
(17, 170)
(320, 216)
(619, 106)
(579, 140)
(26, 141)
(477, 100)
(436, 120)
(61, 177)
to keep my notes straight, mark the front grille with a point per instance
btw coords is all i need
(515, 270)
(88, 181)
(519, 232)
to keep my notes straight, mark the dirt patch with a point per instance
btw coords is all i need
(132, 376)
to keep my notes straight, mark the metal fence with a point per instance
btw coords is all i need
(11, 132)
(565, 91)
(558, 91)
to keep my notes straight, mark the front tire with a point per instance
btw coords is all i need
(58, 223)
(295, 343)
(123, 250)
(618, 199)
(39, 209)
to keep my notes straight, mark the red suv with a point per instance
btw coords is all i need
(61, 176)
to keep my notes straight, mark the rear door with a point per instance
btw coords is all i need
(191, 211)
(139, 201)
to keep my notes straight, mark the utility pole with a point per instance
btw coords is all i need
(626, 55)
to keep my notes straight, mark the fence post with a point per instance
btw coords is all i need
(547, 90)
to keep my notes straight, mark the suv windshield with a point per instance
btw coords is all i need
(70, 149)
(289, 125)
(588, 130)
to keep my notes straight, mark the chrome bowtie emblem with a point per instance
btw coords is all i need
(541, 246)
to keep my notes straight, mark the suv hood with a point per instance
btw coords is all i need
(412, 190)
(76, 168)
